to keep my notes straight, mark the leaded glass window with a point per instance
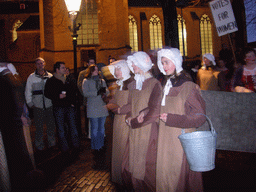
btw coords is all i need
(89, 30)
(133, 33)
(206, 34)
(155, 30)
(184, 33)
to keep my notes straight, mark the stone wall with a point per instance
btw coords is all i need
(233, 116)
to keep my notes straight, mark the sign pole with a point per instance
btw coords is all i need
(230, 41)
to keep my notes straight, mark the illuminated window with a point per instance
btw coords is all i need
(155, 30)
(206, 34)
(133, 33)
(88, 32)
(184, 35)
(14, 30)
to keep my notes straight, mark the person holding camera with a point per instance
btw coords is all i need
(95, 89)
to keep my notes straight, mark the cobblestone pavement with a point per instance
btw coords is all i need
(77, 174)
(80, 176)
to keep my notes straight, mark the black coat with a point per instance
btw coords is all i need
(53, 89)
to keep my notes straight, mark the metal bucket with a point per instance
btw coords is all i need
(200, 148)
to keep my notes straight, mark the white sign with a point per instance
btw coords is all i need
(223, 15)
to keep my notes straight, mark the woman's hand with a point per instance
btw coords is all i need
(163, 117)
(128, 121)
(62, 96)
(25, 121)
(140, 117)
(113, 107)
(240, 89)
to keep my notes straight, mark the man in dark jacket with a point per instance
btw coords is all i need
(62, 93)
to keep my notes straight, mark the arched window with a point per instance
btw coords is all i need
(155, 30)
(206, 34)
(182, 33)
(88, 32)
(14, 30)
(133, 33)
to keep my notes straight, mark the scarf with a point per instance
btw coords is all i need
(97, 81)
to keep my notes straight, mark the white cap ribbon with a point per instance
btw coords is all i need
(167, 87)
(139, 81)
(120, 83)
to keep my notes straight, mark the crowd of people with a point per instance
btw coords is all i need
(150, 103)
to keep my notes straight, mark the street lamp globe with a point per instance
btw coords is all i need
(73, 6)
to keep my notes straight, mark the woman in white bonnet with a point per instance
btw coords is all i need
(207, 76)
(145, 91)
(180, 103)
(121, 72)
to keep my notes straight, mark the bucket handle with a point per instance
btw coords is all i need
(209, 121)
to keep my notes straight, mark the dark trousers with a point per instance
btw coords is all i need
(42, 116)
(66, 115)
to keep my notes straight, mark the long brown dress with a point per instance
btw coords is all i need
(173, 173)
(139, 163)
(120, 132)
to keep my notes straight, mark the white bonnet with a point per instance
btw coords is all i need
(174, 55)
(141, 60)
(12, 68)
(210, 57)
(8, 66)
(122, 64)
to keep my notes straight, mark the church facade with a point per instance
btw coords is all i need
(109, 28)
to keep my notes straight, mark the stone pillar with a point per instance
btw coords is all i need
(56, 40)
(113, 29)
